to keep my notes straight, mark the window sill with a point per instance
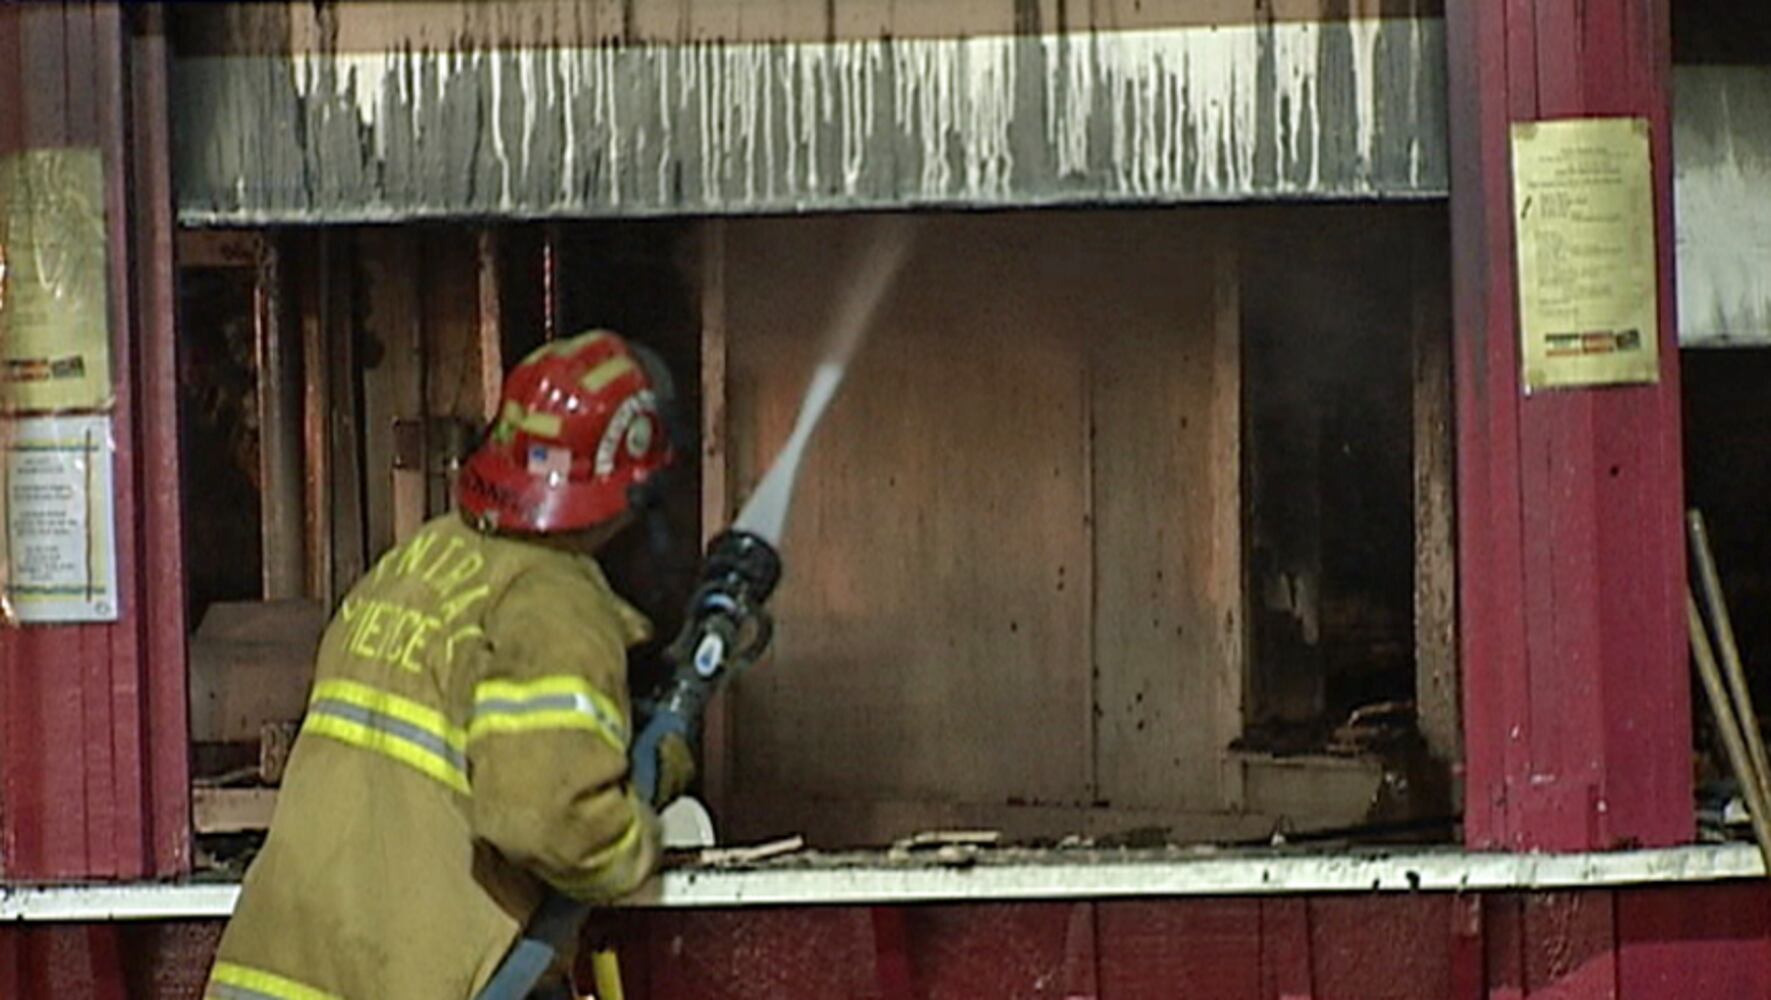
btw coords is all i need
(1017, 875)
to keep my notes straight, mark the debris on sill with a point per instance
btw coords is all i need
(225, 857)
(1074, 852)
(942, 838)
(976, 848)
(727, 857)
(953, 848)
(1722, 814)
(1368, 730)
(1375, 728)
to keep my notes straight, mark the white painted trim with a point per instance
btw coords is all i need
(134, 901)
(869, 879)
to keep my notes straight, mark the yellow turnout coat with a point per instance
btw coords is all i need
(466, 738)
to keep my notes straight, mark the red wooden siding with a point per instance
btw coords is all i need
(93, 743)
(1711, 941)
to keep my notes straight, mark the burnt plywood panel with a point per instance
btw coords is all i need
(1164, 401)
(1032, 462)
(925, 650)
(496, 110)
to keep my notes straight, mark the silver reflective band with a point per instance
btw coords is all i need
(553, 703)
(393, 727)
(228, 991)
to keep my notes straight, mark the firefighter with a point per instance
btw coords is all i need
(466, 740)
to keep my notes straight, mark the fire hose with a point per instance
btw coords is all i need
(727, 629)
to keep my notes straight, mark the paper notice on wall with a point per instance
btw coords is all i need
(55, 344)
(1583, 204)
(61, 555)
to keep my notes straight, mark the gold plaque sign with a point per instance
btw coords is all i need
(1583, 208)
(55, 341)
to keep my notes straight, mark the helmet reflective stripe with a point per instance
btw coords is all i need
(600, 376)
(635, 405)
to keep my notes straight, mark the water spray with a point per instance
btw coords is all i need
(728, 626)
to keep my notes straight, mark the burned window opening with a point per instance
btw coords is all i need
(1328, 324)
(1087, 428)
(218, 396)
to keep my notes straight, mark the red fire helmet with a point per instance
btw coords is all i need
(578, 428)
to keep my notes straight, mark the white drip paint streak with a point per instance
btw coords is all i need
(955, 100)
(924, 87)
(1139, 114)
(609, 118)
(526, 73)
(1182, 105)
(989, 103)
(495, 73)
(667, 70)
(1416, 53)
(1070, 108)
(1364, 36)
(1295, 102)
(416, 97)
(570, 74)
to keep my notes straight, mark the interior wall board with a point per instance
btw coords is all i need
(1167, 557)
(924, 647)
(1013, 574)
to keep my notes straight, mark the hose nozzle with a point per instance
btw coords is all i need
(728, 627)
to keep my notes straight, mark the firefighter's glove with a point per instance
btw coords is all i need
(663, 760)
(676, 769)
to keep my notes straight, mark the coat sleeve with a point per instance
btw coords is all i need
(548, 740)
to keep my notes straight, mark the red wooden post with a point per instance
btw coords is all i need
(1576, 696)
(94, 778)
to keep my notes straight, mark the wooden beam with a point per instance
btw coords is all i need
(349, 544)
(454, 375)
(1226, 575)
(491, 320)
(311, 285)
(717, 504)
(393, 387)
(280, 432)
(156, 701)
(1571, 554)
(1435, 521)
